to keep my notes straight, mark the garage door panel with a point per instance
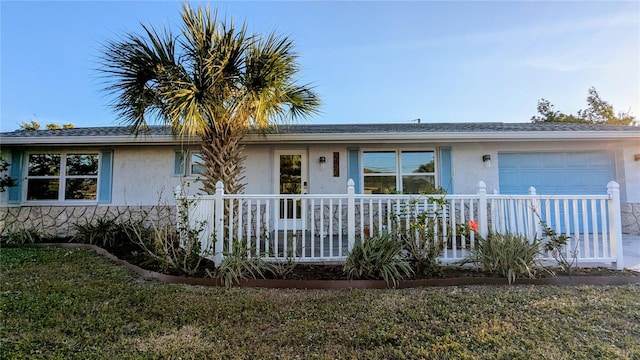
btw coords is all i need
(556, 173)
(562, 173)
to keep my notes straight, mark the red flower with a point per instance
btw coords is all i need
(473, 225)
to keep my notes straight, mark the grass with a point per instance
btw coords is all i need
(72, 304)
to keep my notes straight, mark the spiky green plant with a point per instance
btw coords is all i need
(378, 257)
(510, 255)
(238, 265)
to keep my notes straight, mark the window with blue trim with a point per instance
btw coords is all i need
(62, 176)
(408, 172)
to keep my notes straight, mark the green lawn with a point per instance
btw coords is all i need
(61, 303)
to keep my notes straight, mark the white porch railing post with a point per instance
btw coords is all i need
(615, 224)
(483, 222)
(533, 212)
(177, 193)
(351, 215)
(218, 223)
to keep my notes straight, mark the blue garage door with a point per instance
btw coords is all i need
(551, 173)
(561, 173)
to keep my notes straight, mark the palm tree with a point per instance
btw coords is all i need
(213, 81)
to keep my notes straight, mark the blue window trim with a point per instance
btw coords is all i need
(15, 172)
(353, 168)
(446, 169)
(105, 179)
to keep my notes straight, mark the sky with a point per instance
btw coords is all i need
(370, 62)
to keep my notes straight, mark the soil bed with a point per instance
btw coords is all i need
(308, 276)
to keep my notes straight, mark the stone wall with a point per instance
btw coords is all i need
(59, 221)
(630, 213)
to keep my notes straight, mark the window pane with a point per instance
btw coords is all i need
(422, 184)
(379, 184)
(290, 174)
(197, 167)
(82, 164)
(417, 162)
(81, 189)
(44, 164)
(379, 162)
(42, 189)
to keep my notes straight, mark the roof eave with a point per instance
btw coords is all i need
(333, 138)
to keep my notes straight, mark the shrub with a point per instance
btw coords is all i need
(510, 255)
(107, 232)
(175, 247)
(556, 244)
(21, 237)
(378, 257)
(421, 235)
(237, 265)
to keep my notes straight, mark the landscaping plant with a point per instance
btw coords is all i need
(238, 265)
(21, 237)
(556, 244)
(176, 247)
(106, 232)
(510, 255)
(378, 257)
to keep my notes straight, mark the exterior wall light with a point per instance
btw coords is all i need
(486, 159)
(323, 162)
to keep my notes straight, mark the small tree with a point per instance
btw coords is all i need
(30, 126)
(598, 112)
(5, 180)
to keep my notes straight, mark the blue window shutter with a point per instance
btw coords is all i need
(15, 172)
(353, 167)
(180, 163)
(446, 170)
(106, 177)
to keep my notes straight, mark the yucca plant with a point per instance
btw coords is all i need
(378, 257)
(21, 237)
(238, 265)
(510, 255)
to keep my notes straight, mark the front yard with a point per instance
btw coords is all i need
(61, 303)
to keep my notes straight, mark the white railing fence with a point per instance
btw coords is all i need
(325, 227)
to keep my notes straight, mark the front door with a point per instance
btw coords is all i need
(291, 172)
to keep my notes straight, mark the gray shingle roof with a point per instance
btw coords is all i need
(400, 128)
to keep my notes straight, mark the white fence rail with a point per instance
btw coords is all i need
(324, 228)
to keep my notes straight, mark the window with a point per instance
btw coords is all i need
(189, 163)
(409, 172)
(62, 176)
(196, 164)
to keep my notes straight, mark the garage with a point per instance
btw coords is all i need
(571, 173)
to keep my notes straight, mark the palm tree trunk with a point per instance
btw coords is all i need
(222, 155)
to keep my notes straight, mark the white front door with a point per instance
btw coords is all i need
(291, 173)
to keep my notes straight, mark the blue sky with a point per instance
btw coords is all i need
(370, 62)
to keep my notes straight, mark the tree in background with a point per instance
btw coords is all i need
(213, 81)
(5, 180)
(34, 125)
(598, 112)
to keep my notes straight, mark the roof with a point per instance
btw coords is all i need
(481, 131)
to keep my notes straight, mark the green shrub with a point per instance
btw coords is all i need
(510, 255)
(557, 245)
(237, 265)
(21, 237)
(176, 248)
(421, 235)
(378, 257)
(107, 232)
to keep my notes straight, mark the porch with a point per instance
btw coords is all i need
(321, 228)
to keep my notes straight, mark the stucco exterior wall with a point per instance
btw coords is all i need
(145, 175)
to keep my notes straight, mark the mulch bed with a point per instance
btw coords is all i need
(307, 276)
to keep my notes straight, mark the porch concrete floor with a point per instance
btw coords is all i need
(631, 251)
